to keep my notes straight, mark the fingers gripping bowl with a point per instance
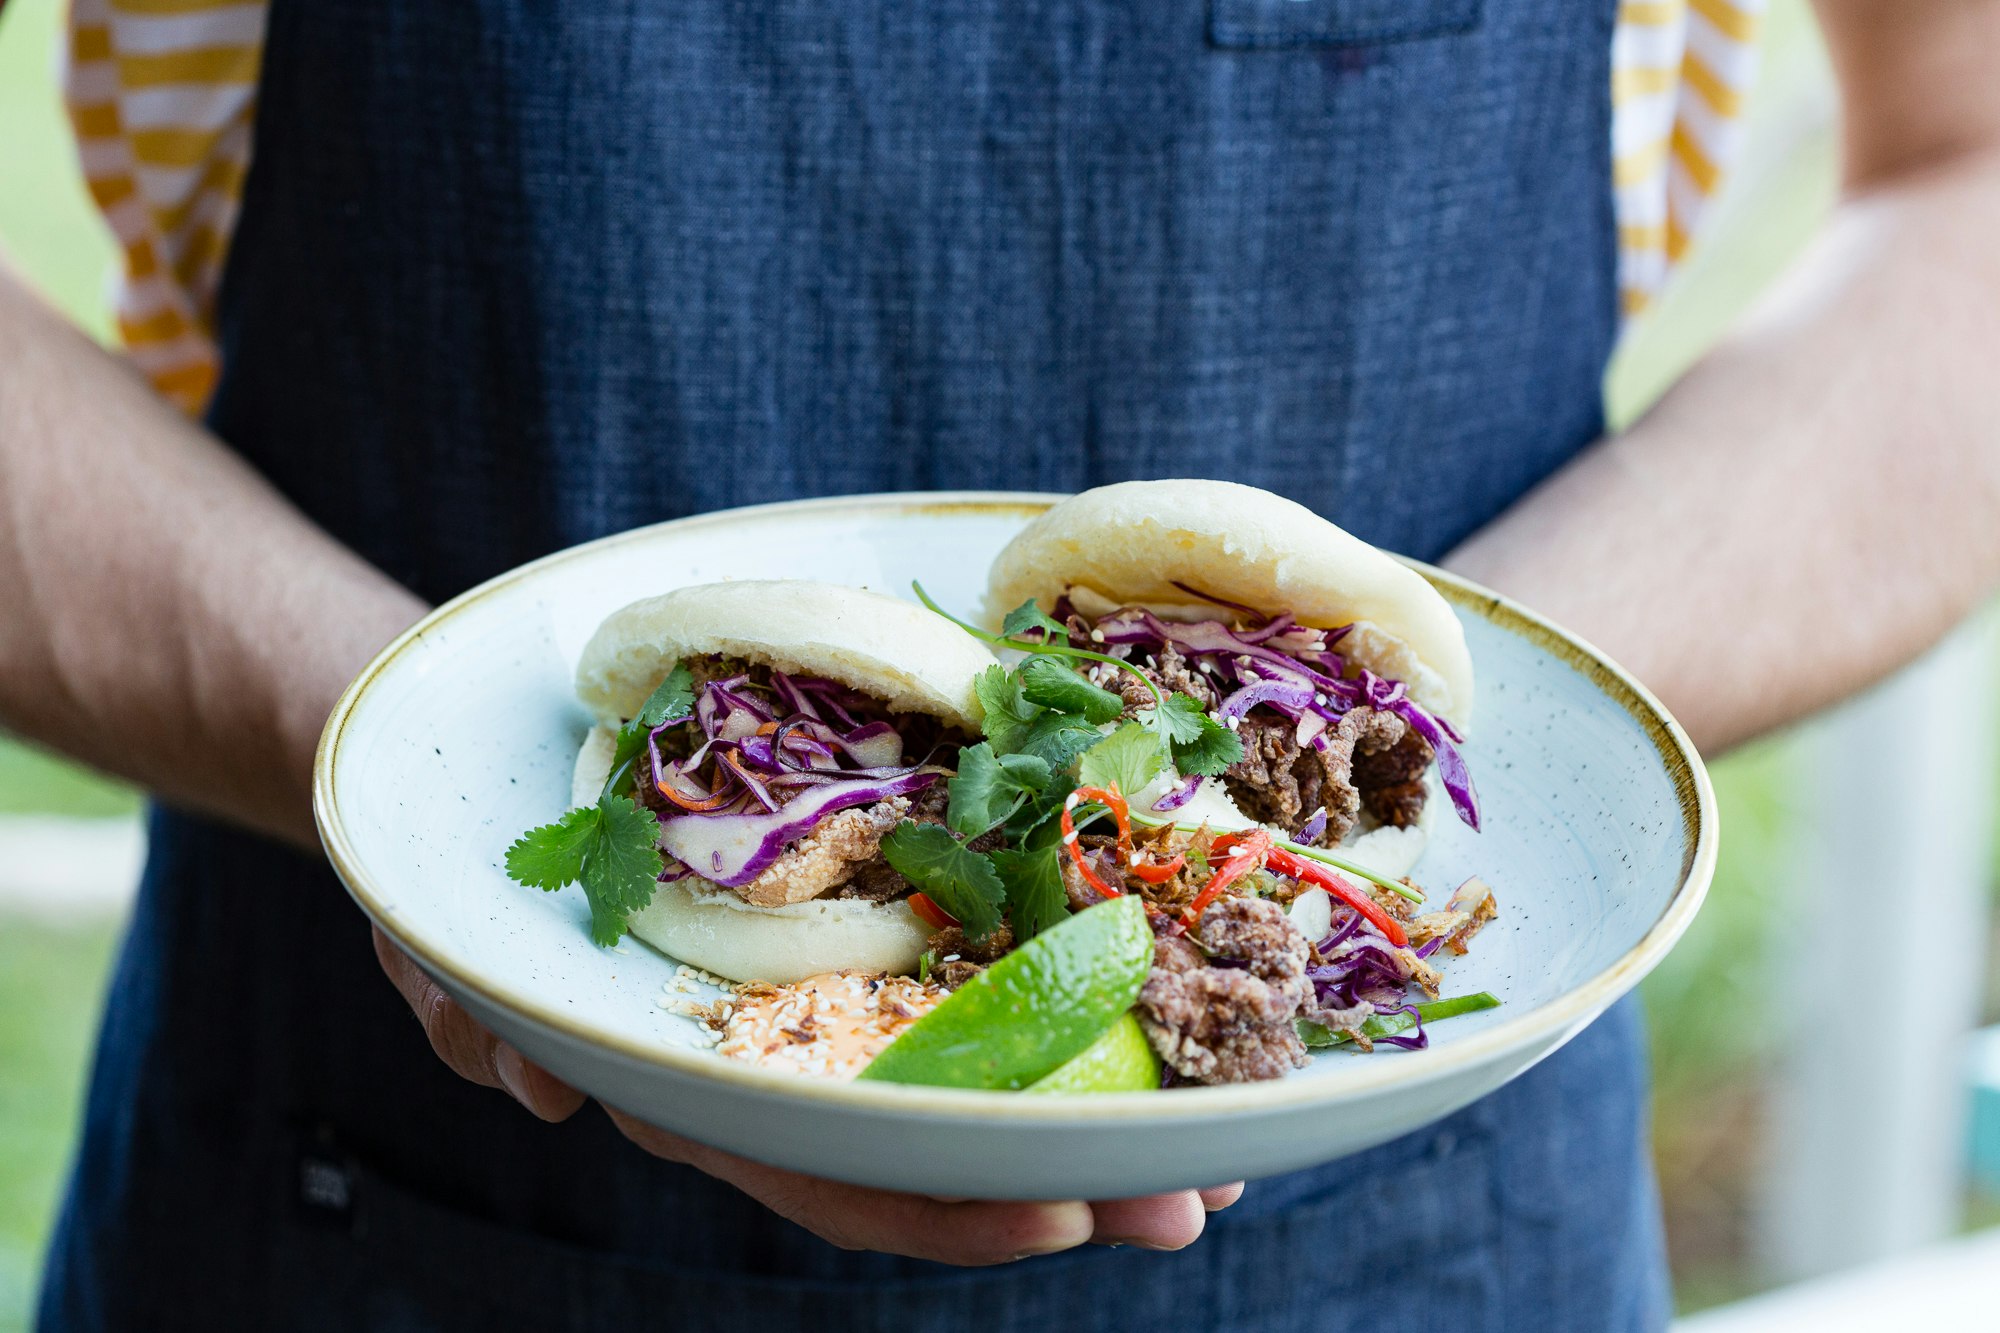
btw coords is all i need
(1596, 818)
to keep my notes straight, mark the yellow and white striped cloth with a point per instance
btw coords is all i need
(1681, 72)
(163, 95)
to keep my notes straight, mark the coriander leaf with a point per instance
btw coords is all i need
(551, 856)
(671, 700)
(1129, 756)
(989, 788)
(1007, 710)
(1058, 738)
(1200, 744)
(609, 848)
(956, 878)
(1036, 824)
(1209, 754)
(1053, 683)
(672, 697)
(1027, 617)
(1033, 881)
(621, 867)
(1180, 720)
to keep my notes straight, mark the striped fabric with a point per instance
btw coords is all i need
(1681, 73)
(163, 92)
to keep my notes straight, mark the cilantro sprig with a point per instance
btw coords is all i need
(610, 848)
(1053, 683)
(990, 788)
(1194, 742)
(1048, 729)
(1016, 724)
(1199, 744)
(1127, 759)
(1032, 878)
(959, 880)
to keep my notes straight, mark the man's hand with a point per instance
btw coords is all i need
(952, 1231)
(467, 1048)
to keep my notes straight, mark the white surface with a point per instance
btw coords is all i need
(1952, 1286)
(463, 737)
(1894, 861)
(69, 868)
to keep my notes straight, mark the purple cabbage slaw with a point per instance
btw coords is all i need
(1294, 670)
(1360, 967)
(772, 762)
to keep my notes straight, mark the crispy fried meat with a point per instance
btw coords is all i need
(960, 959)
(1281, 782)
(1229, 1020)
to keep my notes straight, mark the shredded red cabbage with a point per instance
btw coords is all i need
(1418, 1040)
(1364, 970)
(1288, 697)
(768, 768)
(1179, 796)
(1293, 670)
(734, 849)
(1341, 933)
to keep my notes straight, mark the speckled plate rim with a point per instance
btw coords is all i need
(1546, 1023)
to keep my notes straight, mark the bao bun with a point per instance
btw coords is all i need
(1131, 542)
(907, 657)
(910, 659)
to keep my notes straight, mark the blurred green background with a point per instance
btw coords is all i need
(1708, 1061)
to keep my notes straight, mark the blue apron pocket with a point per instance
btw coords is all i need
(1295, 23)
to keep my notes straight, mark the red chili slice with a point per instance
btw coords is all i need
(930, 913)
(1246, 850)
(1311, 872)
(1119, 811)
(1159, 872)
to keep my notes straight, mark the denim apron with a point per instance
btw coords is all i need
(512, 276)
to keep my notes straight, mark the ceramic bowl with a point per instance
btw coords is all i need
(1599, 842)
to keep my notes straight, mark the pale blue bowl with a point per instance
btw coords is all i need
(1599, 842)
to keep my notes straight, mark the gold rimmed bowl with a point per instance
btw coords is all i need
(1599, 841)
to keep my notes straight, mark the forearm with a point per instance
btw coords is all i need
(168, 616)
(1816, 502)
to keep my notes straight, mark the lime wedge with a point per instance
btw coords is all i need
(1033, 1010)
(1121, 1060)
